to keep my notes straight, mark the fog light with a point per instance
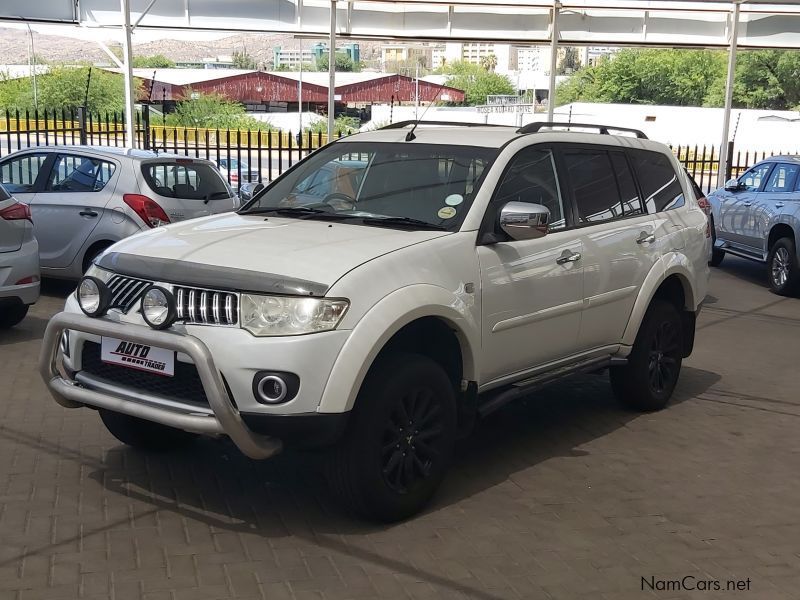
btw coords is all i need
(93, 296)
(270, 387)
(158, 308)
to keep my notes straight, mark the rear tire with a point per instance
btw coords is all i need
(782, 268)
(144, 435)
(646, 383)
(399, 442)
(12, 314)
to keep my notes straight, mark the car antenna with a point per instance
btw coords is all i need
(410, 135)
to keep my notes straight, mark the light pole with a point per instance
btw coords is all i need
(32, 64)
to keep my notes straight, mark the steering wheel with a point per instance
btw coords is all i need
(339, 201)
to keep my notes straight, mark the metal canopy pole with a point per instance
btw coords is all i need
(551, 94)
(300, 96)
(332, 72)
(127, 73)
(724, 159)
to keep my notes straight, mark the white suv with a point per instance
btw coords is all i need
(444, 271)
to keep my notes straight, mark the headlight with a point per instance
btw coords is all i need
(290, 315)
(98, 273)
(93, 296)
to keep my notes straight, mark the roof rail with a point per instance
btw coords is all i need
(401, 124)
(603, 129)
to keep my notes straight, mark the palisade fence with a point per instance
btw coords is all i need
(267, 151)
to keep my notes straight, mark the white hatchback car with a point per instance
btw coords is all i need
(83, 198)
(465, 267)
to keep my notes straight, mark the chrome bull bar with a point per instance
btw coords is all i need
(225, 420)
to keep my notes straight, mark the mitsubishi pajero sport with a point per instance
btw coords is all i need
(386, 292)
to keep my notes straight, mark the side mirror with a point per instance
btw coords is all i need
(524, 220)
(257, 189)
(732, 185)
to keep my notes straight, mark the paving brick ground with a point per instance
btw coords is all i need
(563, 496)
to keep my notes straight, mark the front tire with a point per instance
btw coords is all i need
(782, 269)
(144, 435)
(12, 314)
(399, 442)
(646, 383)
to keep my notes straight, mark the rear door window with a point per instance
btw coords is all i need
(185, 180)
(19, 174)
(782, 178)
(73, 173)
(594, 185)
(660, 184)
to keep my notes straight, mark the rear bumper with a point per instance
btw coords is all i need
(223, 417)
(16, 266)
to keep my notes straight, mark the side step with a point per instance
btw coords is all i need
(497, 399)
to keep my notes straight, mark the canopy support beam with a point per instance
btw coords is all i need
(724, 159)
(551, 94)
(332, 73)
(127, 72)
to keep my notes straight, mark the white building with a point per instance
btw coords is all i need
(291, 57)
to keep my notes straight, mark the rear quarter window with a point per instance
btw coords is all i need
(187, 181)
(660, 184)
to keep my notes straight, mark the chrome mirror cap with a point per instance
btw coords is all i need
(524, 220)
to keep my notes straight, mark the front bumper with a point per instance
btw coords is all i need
(224, 418)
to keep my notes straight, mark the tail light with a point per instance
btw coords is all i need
(234, 177)
(704, 204)
(16, 212)
(148, 210)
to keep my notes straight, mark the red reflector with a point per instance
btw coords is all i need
(16, 212)
(148, 210)
(31, 279)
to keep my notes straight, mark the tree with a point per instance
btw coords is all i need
(341, 124)
(65, 87)
(343, 62)
(764, 79)
(489, 62)
(242, 60)
(476, 82)
(570, 61)
(212, 111)
(156, 61)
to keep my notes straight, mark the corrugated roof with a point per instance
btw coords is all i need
(186, 76)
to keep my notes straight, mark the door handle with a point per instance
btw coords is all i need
(568, 256)
(779, 205)
(88, 213)
(646, 238)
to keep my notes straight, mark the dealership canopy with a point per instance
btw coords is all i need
(688, 23)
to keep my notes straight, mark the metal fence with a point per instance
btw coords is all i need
(266, 151)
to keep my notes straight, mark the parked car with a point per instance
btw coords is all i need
(237, 171)
(19, 261)
(83, 199)
(380, 322)
(757, 217)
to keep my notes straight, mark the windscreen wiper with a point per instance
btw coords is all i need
(406, 221)
(301, 212)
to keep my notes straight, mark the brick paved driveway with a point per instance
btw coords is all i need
(562, 497)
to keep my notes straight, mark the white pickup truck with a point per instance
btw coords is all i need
(387, 291)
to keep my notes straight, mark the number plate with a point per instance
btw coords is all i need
(138, 356)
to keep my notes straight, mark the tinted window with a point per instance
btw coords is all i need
(188, 181)
(660, 184)
(752, 179)
(79, 174)
(19, 175)
(627, 187)
(782, 178)
(531, 177)
(594, 185)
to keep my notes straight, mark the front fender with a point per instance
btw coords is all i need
(386, 318)
(672, 263)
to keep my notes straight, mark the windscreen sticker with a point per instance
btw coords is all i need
(447, 212)
(454, 199)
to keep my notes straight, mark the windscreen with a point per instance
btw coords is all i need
(429, 183)
(187, 181)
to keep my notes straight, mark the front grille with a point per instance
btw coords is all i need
(125, 291)
(206, 307)
(185, 386)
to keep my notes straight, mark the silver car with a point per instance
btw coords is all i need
(19, 261)
(757, 216)
(83, 199)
